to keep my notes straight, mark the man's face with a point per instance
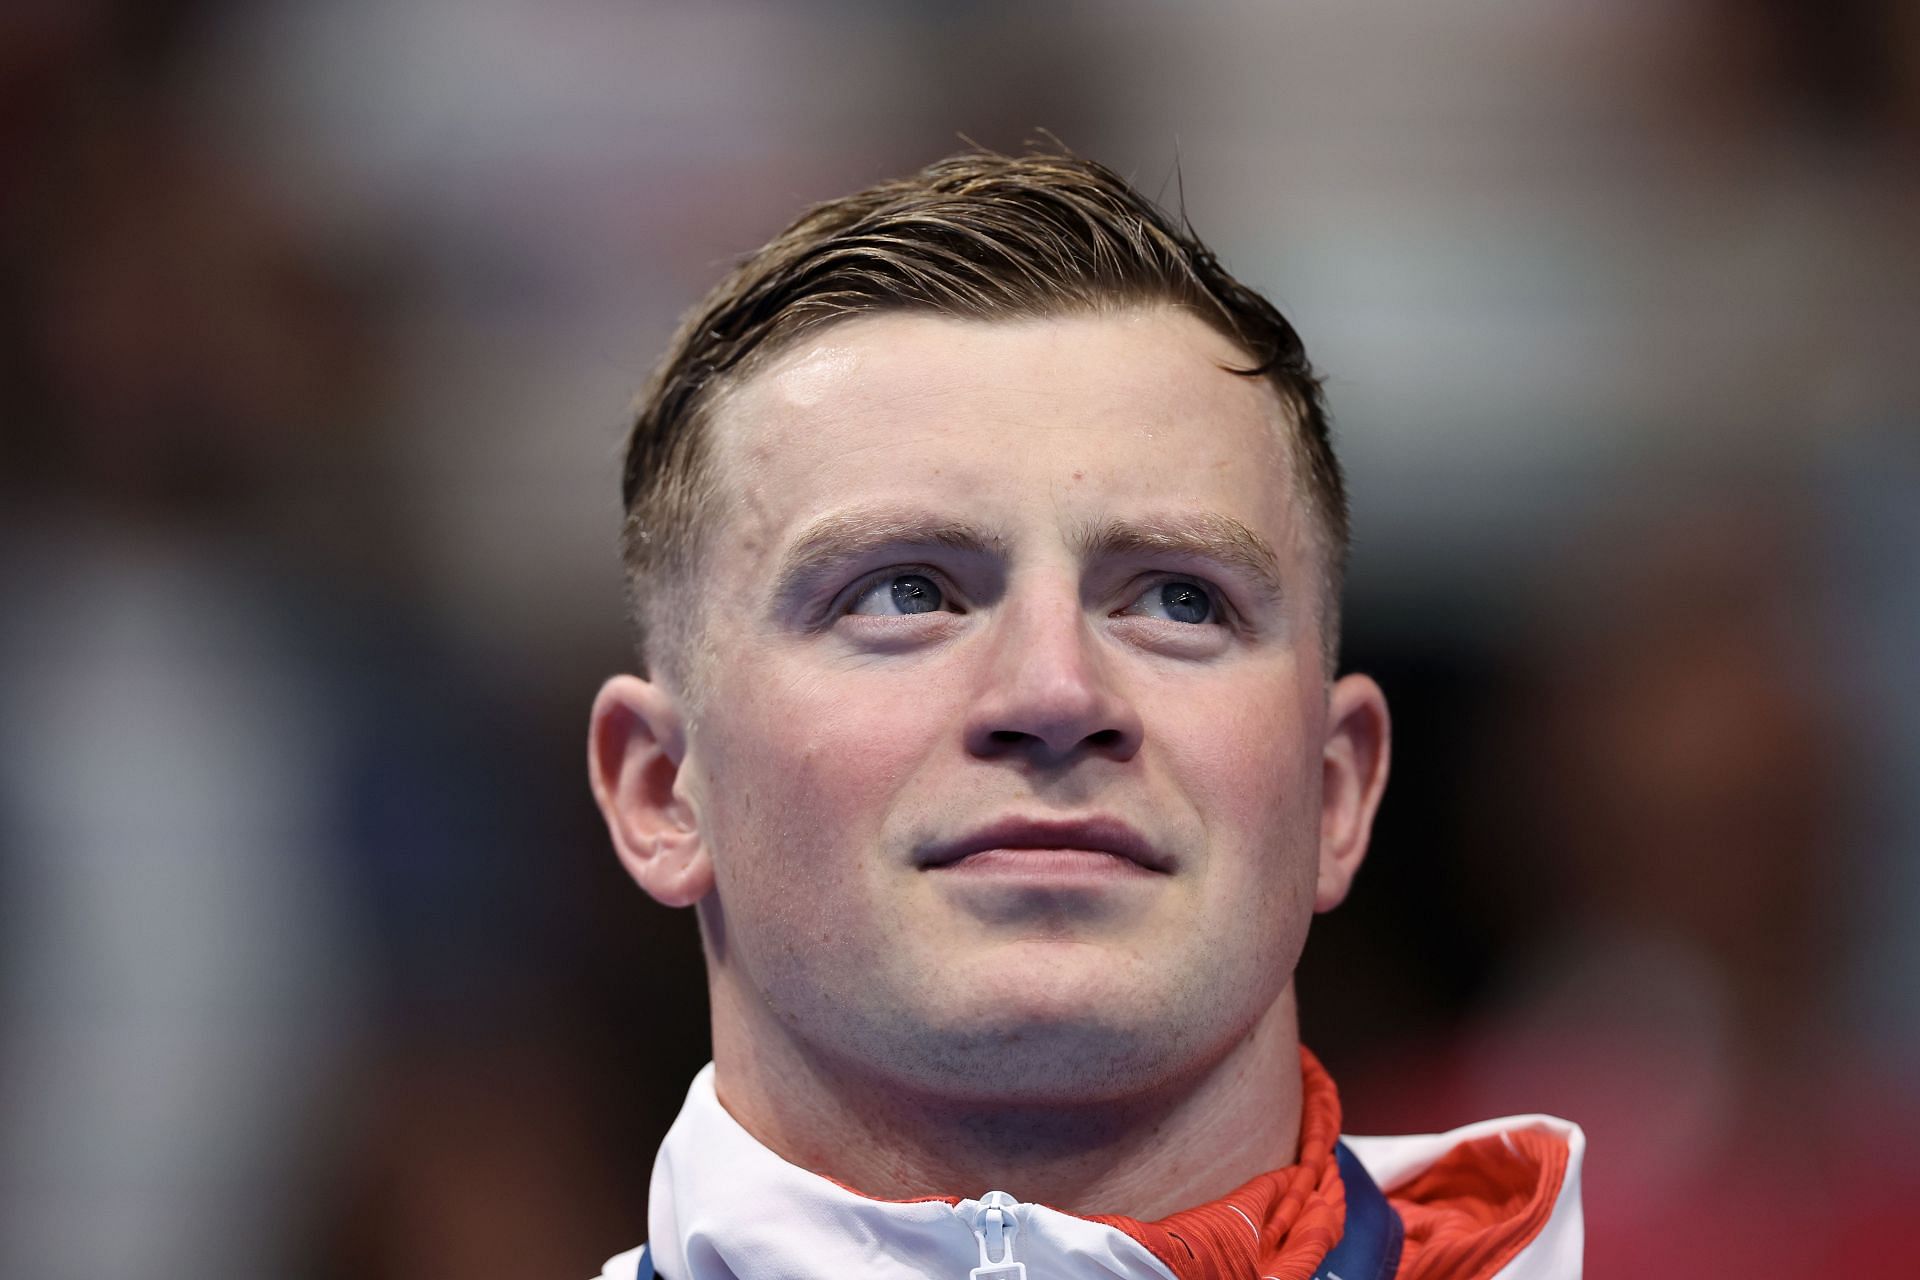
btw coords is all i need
(1008, 761)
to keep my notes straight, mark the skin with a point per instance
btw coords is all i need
(1068, 1026)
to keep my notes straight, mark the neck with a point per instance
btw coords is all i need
(1134, 1156)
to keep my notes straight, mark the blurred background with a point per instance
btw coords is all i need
(317, 327)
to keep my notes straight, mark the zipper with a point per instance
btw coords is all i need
(995, 1224)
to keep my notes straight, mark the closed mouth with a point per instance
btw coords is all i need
(1095, 835)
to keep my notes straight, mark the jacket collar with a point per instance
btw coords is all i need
(1496, 1199)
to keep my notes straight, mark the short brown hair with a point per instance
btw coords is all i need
(976, 236)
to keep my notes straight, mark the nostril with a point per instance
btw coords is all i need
(1104, 741)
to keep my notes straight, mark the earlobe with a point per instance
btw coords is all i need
(634, 751)
(1353, 774)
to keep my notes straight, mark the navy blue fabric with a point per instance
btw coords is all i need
(646, 1265)
(1370, 1247)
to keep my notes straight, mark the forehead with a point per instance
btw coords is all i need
(1084, 416)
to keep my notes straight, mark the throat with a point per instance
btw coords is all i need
(1144, 1157)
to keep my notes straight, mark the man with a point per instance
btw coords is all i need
(985, 543)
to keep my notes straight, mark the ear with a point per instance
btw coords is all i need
(634, 749)
(1353, 774)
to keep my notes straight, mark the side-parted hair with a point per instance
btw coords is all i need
(976, 236)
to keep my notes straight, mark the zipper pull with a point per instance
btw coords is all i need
(995, 1226)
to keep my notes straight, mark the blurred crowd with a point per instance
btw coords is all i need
(317, 324)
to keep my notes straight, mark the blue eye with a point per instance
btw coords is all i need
(901, 593)
(1176, 601)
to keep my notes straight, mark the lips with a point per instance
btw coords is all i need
(1098, 834)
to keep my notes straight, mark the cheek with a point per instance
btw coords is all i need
(1251, 767)
(798, 782)
(1250, 763)
(802, 772)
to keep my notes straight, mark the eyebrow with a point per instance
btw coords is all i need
(844, 537)
(1202, 535)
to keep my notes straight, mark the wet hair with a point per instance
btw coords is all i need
(978, 236)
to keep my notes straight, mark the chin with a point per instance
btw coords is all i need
(1043, 1064)
(1060, 1044)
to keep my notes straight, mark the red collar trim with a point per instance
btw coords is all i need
(1278, 1225)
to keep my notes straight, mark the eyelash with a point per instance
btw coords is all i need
(1222, 612)
(843, 603)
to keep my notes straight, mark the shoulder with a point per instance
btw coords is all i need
(1496, 1199)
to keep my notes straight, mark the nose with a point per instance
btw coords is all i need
(1049, 694)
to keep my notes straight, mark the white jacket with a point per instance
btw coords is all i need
(725, 1207)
